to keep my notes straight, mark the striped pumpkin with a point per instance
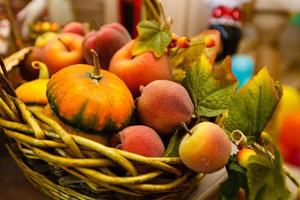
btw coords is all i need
(88, 101)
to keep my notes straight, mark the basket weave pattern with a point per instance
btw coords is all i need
(66, 166)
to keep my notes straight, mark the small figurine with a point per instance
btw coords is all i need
(226, 16)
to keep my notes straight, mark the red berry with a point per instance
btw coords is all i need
(172, 44)
(183, 42)
(209, 42)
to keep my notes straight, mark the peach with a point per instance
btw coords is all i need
(63, 51)
(118, 27)
(139, 70)
(140, 140)
(106, 42)
(164, 105)
(207, 149)
(243, 156)
(75, 27)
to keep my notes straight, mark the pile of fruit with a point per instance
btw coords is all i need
(158, 95)
(130, 103)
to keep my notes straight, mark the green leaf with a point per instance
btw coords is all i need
(266, 180)
(152, 37)
(173, 146)
(252, 107)
(236, 179)
(210, 87)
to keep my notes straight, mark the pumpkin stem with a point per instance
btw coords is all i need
(43, 69)
(96, 74)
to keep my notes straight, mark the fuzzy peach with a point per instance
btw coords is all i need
(164, 105)
(106, 42)
(75, 27)
(140, 140)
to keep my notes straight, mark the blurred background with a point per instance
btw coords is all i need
(263, 33)
(270, 30)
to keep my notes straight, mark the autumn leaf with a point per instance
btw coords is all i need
(152, 37)
(210, 87)
(252, 106)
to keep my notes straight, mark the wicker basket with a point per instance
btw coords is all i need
(66, 166)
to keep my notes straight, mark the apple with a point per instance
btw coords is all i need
(76, 27)
(290, 101)
(206, 149)
(43, 39)
(139, 70)
(289, 138)
(106, 42)
(62, 51)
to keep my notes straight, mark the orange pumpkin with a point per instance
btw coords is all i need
(90, 98)
(100, 138)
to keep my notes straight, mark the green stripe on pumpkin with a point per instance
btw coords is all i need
(78, 119)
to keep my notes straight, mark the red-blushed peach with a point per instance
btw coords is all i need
(207, 149)
(118, 27)
(63, 51)
(75, 27)
(141, 69)
(140, 140)
(164, 105)
(243, 156)
(106, 42)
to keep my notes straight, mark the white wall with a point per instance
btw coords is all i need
(189, 16)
